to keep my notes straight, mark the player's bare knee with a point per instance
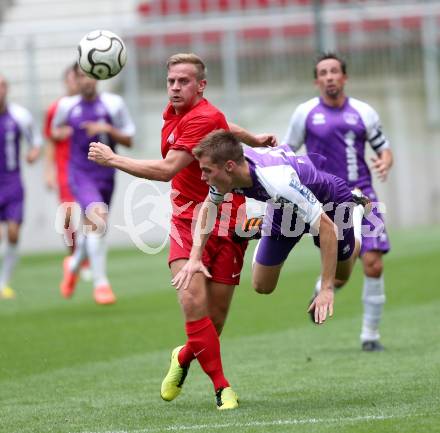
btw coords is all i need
(263, 288)
(373, 268)
(191, 305)
(13, 236)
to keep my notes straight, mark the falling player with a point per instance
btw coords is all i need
(299, 198)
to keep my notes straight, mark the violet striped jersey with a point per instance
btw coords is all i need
(340, 135)
(105, 108)
(280, 177)
(16, 123)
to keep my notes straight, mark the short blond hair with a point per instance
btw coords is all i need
(190, 58)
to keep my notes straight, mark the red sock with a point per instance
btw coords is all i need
(204, 343)
(185, 356)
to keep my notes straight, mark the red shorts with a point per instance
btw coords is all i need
(222, 256)
(64, 193)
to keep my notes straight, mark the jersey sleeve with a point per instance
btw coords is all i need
(374, 134)
(193, 131)
(119, 113)
(296, 131)
(283, 186)
(27, 126)
(62, 110)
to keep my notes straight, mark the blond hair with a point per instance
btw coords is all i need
(190, 58)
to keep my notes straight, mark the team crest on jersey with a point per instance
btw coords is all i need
(351, 118)
(171, 138)
(77, 111)
(318, 119)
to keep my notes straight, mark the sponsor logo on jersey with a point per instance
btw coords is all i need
(285, 202)
(318, 119)
(303, 190)
(351, 118)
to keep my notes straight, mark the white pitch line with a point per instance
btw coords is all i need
(274, 423)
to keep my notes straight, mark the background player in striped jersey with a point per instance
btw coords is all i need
(91, 116)
(16, 123)
(338, 126)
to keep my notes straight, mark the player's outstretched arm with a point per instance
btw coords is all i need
(259, 140)
(383, 163)
(329, 251)
(162, 169)
(204, 226)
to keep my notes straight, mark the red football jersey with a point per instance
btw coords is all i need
(62, 148)
(184, 132)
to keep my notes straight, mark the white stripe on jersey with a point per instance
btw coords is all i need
(119, 113)
(282, 184)
(114, 104)
(296, 131)
(26, 124)
(374, 134)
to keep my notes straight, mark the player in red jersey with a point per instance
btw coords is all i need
(57, 154)
(188, 118)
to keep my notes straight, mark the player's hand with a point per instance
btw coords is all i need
(266, 140)
(95, 128)
(62, 132)
(32, 155)
(182, 279)
(381, 168)
(100, 153)
(50, 178)
(322, 303)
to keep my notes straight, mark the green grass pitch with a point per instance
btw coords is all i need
(72, 366)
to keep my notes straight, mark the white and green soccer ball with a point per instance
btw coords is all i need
(101, 54)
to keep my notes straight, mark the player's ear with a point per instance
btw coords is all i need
(202, 85)
(229, 166)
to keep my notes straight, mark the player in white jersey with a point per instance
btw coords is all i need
(338, 127)
(15, 124)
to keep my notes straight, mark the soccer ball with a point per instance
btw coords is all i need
(101, 54)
